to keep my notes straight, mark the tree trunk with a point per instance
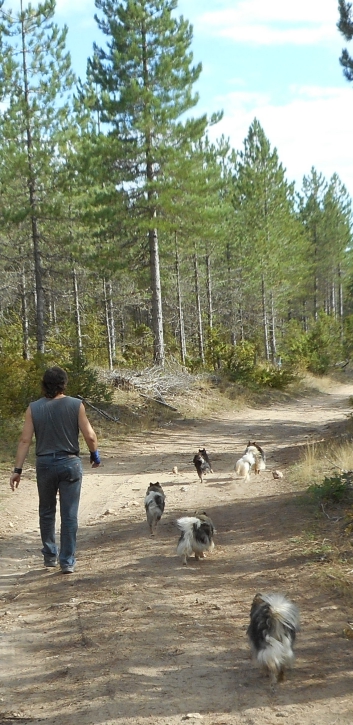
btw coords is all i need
(157, 313)
(180, 306)
(273, 331)
(265, 321)
(198, 311)
(111, 319)
(77, 312)
(209, 292)
(38, 270)
(107, 325)
(24, 317)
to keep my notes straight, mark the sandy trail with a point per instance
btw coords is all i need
(134, 637)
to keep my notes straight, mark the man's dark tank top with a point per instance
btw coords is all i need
(56, 425)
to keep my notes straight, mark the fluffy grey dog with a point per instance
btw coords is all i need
(154, 505)
(196, 536)
(274, 622)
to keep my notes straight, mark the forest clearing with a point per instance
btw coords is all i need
(135, 637)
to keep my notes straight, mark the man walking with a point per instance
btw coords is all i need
(55, 420)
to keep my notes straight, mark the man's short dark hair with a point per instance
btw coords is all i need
(54, 381)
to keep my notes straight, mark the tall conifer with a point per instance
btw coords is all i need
(145, 81)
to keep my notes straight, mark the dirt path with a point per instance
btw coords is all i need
(134, 637)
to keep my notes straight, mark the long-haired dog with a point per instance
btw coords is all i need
(244, 465)
(202, 463)
(196, 536)
(259, 455)
(274, 622)
(154, 505)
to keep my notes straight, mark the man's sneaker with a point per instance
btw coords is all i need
(50, 561)
(67, 569)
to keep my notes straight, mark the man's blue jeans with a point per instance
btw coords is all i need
(61, 473)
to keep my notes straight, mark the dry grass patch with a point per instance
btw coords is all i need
(324, 475)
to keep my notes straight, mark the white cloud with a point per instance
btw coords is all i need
(313, 129)
(273, 22)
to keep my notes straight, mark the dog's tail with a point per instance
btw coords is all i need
(186, 527)
(282, 610)
(273, 627)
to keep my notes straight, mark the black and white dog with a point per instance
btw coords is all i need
(274, 622)
(259, 455)
(154, 505)
(196, 536)
(202, 463)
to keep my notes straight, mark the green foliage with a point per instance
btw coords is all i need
(324, 344)
(241, 361)
(332, 490)
(216, 349)
(84, 381)
(345, 26)
(140, 351)
(294, 345)
(316, 350)
(19, 383)
(270, 376)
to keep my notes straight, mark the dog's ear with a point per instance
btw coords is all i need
(249, 444)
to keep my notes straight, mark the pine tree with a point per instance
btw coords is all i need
(36, 75)
(311, 214)
(144, 80)
(266, 248)
(345, 26)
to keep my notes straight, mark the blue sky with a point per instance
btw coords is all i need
(277, 60)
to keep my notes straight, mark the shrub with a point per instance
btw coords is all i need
(332, 490)
(84, 381)
(241, 360)
(324, 344)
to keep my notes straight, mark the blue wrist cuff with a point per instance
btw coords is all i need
(94, 457)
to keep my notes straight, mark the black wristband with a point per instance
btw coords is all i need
(17, 470)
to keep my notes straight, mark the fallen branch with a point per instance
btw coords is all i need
(331, 518)
(161, 402)
(101, 412)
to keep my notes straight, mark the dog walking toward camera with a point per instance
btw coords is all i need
(244, 465)
(154, 505)
(196, 536)
(202, 463)
(259, 455)
(274, 622)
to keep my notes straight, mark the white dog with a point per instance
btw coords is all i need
(259, 455)
(244, 465)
